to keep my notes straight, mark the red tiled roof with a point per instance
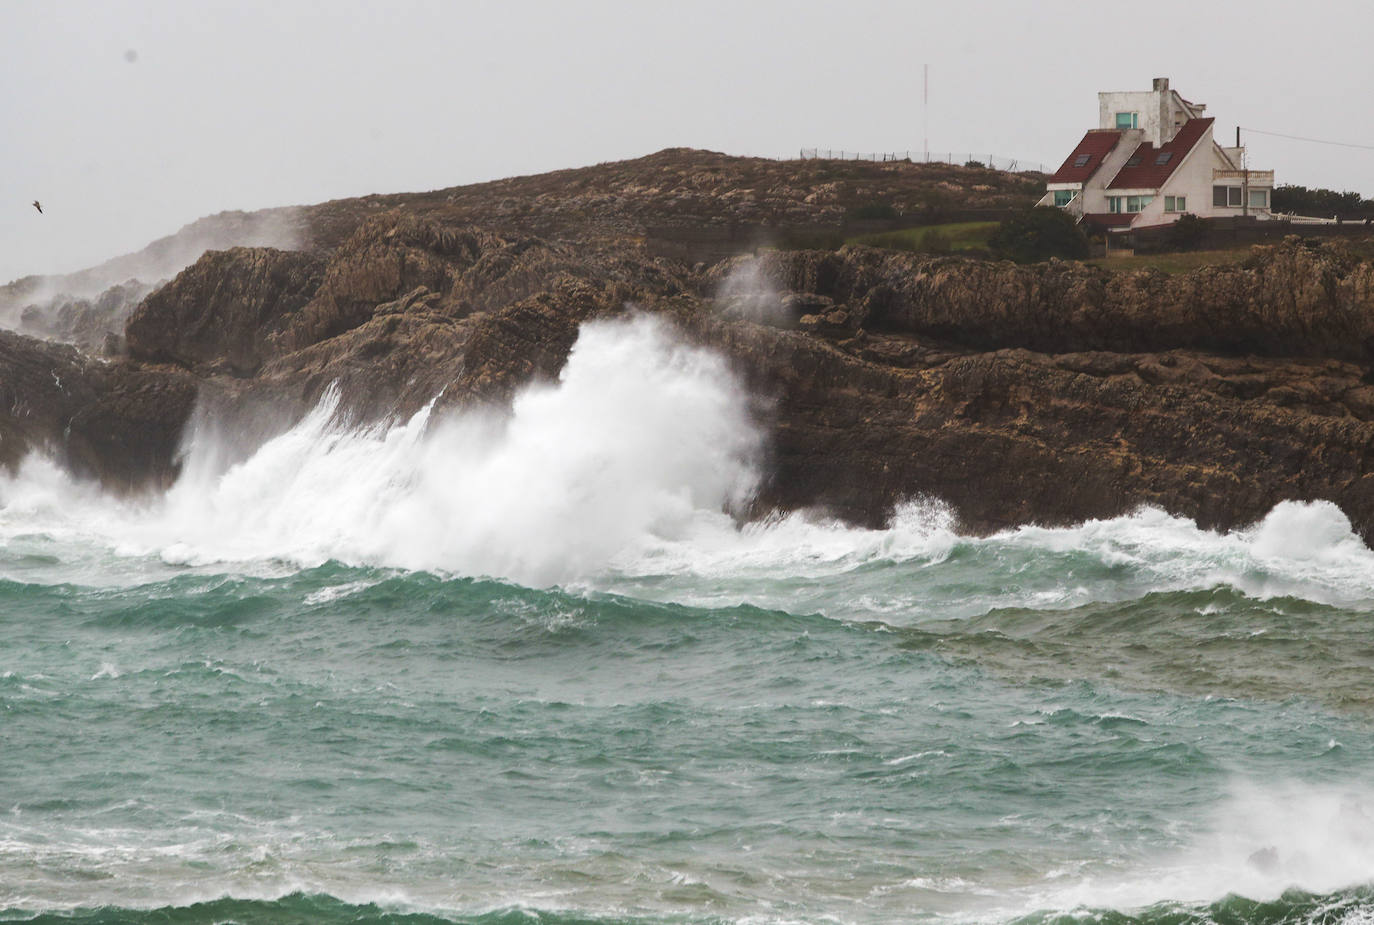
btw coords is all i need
(1110, 219)
(1096, 145)
(1151, 175)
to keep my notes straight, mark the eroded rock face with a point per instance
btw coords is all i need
(1050, 393)
(928, 387)
(226, 311)
(117, 423)
(1289, 300)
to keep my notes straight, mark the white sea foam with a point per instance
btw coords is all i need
(1302, 549)
(107, 670)
(616, 478)
(640, 435)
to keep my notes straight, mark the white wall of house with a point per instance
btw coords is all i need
(1094, 193)
(1153, 214)
(1145, 104)
(1198, 180)
(1160, 111)
(1193, 180)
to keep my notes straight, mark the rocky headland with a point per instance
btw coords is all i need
(1048, 393)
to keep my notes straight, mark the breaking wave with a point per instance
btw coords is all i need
(621, 476)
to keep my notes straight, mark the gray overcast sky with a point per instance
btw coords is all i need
(245, 105)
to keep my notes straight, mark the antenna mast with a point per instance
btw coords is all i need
(925, 114)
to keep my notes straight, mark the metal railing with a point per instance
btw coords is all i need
(994, 161)
(1256, 177)
(1295, 219)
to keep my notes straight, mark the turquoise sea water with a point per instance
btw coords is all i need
(263, 699)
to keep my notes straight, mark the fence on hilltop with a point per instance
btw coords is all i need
(994, 161)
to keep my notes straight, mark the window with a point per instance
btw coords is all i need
(1134, 161)
(1259, 199)
(1175, 203)
(1125, 120)
(1081, 160)
(1163, 158)
(1227, 196)
(1063, 197)
(1128, 203)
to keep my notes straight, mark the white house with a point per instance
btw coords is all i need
(1151, 159)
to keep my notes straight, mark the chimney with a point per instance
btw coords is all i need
(1161, 84)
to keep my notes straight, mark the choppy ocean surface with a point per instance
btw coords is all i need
(526, 670)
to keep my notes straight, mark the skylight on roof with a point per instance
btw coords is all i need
(1134, 161)
(1163, 158)
(1081, 160)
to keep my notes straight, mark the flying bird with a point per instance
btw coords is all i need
(38, 206)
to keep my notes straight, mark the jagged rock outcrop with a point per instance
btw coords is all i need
(226, 311)
(1048, 393)
(117, 423)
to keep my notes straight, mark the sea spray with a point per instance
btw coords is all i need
(137, 272)
(639, 434)
(748, 292)
(1261, 840)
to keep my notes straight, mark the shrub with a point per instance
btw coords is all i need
(978, 164)
(1186, 233)
(1039, 234)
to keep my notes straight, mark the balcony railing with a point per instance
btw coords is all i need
(1255, 177)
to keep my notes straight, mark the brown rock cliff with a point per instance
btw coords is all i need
(1049, 393)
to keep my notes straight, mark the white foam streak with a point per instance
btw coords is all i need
(803, 544)
(1259, 842)
(1299, 549)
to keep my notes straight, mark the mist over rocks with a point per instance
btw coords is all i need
(95, 325)
(1050, 393)
(89, 308)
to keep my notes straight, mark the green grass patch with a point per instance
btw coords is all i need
(953, 236)
(1174, 263)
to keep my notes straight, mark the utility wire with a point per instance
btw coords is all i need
(1342, 144)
